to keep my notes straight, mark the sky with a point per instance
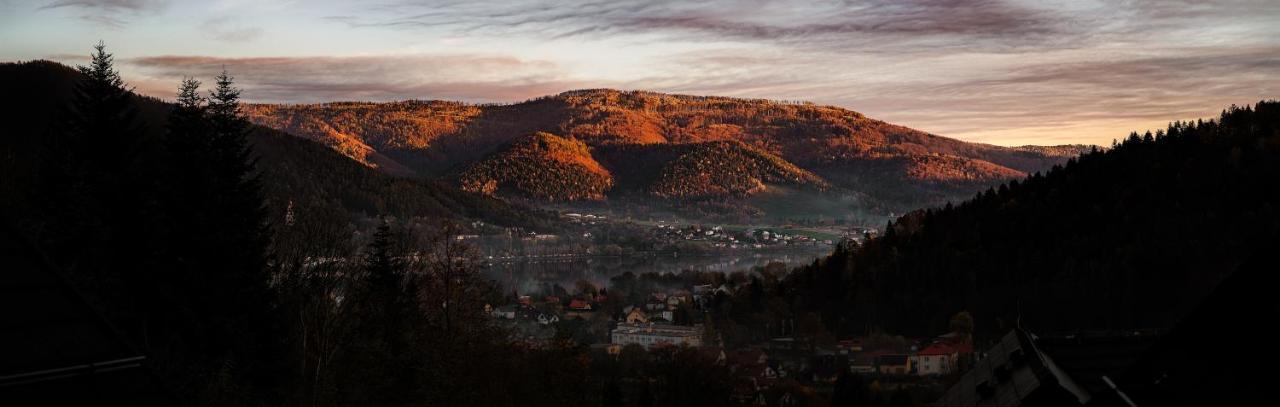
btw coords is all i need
(999, 72)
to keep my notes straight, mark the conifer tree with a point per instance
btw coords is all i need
(104, 115)
(88, 153)
(99, 193)
(187, 138)
(236, 236)
(238, 191)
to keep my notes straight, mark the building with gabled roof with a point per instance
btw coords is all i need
(893, 364)
(580, 305)
(940, 358)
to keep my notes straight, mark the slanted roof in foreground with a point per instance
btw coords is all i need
(1014, 373)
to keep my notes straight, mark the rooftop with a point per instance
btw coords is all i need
(658, 330)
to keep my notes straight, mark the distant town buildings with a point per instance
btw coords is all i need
(648, 335)
(941, 358)
(897, 364)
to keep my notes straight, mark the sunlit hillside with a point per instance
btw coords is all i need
(757, 142)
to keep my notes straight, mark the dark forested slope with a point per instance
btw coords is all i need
(293, 169)
(1132, 237)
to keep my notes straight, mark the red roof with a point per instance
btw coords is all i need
(579, 304)
(938, 348)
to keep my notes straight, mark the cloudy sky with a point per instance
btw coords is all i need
(1002, 72)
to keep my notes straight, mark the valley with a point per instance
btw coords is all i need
(612, 247)
(703, 157)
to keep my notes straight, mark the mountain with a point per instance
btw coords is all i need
(293, 170)
(654, 145)
(544, 166)
(1129, 238)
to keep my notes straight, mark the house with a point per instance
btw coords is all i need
(649, 335)
(936, 359)
(547, 319)
(580, 305)
(945, 354)
(579, 308)
(635, 315)
(893, 364)
(674, 301)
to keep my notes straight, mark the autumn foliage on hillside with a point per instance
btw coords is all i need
(715, 169)
(543, 166)
(784, 142)
(354, 129)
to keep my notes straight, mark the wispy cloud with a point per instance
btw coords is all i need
(371, 78)
(1001, 71)
(112, 13)
(834, 25)
(227, 30)
(109, 5)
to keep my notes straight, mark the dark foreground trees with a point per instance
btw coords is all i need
(1131, 237)
(165, 234)
(163, 229)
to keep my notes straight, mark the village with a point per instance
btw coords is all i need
(633, 319)
(731, 236)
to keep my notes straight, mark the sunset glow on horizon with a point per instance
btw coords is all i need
(1000, 72)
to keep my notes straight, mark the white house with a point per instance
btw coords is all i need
(648, 335)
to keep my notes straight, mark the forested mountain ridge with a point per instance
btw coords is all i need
(544, 166)
(293, 170)
(844, 148)
(1132, 237)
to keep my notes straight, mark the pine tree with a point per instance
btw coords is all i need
(99, 193)
(188, 140)
(383, 344)
(104, 113)
(384, 269)
(189, 113)
(88, 155)
(101, 205)
(224, 206)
